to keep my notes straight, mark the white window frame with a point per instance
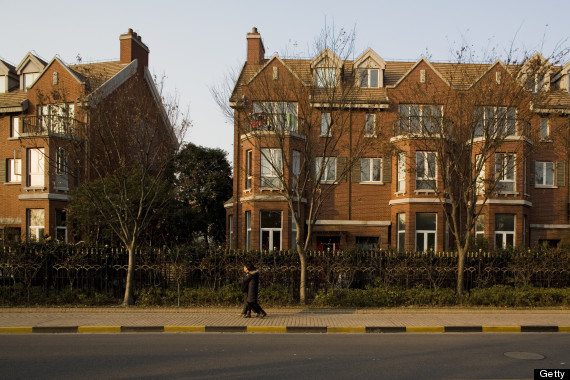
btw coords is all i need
(59, 227)
(293, 242)
(248, 169)
(370, 125)
(329, 171)
(480, 230)
(14, 170)
(401, 184)
(480, 182)
(326, 124)
(271, 168)
(424, 158)
(231, 231)
(325, 77)
(504, 235)
(491, 119)
(414, 118)
(248, 221)
(426, 234)
(36, 224)
(278, 115)
(542, 167)
(365, 77)
(61, 170)
(295, 168)
(401, 232)
(544, 128)
(505, 172)
(14, 127)
(36, 168)
(271, 231)
(367, 176)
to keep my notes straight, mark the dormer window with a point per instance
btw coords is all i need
(369, 78)
(28, 79)
(325, 77)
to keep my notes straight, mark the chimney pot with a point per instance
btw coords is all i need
(255, 48)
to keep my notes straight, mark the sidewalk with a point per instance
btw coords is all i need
(294, 319)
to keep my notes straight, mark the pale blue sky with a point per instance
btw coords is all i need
(196, 42)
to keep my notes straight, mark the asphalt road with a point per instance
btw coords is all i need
(281, 356)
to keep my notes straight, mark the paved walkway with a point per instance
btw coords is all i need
(294, 319)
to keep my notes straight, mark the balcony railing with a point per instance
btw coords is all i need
(49, 125)
(273, 122)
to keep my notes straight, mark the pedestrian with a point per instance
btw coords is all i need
(246, 311)
(252, 281)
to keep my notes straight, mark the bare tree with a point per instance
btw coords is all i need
(471, 126)
(303, 129)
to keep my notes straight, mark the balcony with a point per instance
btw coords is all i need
(49, 126)
(273, 122)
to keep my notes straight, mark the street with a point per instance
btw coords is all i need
(282, 356)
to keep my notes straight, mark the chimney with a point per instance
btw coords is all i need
(133, 48)
(255, 49)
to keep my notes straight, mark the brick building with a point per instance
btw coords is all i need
(44, 107)
(386, 193)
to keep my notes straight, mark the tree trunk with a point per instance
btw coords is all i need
(461, 252)
(129, 286)
(303, 283)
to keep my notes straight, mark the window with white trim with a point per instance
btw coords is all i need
(14, 170)
(231, 231)
(36, 167)
(426, 229)
(544, 128)
(371, 170)
(295, 168)
(370, 125)
(270, 222)
(369, 78)
(326, 124)
(293, 233)
(504, 230)
(420, 118)
(480, 182)
(401, 232)
(544, 174)
(325, 77)
(480, 228)
(61, 225)
(326, 168)
(248, 230)
(505, 171)
(495, 121)
(425, 171)
(61, 176)
(248, 169)
(14, 127)
(271, 168)
(401, 185)
(36, 222)
(275, 116)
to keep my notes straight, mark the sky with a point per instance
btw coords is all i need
(195, 44)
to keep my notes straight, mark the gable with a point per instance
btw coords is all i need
(422, 70)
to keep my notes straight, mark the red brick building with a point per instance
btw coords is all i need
(44, 106)
(386, 197)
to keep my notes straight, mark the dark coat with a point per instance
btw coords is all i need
(251, 284)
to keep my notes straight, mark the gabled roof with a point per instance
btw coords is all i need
(275, 57)
(370, 54)
(329, 57)
(71, 72)
(30, 58)
(423, 59)
(6, 68)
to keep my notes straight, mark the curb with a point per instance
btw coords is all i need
(279, 329)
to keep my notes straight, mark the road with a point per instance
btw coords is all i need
(281, 356)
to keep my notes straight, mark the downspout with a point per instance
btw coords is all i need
(349, 174)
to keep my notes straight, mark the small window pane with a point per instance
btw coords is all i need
(426, 221)
(504, 222)
(374, 78)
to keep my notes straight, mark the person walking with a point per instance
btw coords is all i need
(252, 281)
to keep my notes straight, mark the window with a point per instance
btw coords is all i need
(401, 185)
(505, 171)
(14, 170)
(480, 183)
(326, 169)
(61, 226)
(417, 118)
(248, 169)
(495, 121)
(369, 125)
(293, 232)
(270, 230)
(248, 230)
(14, 127)
(504, 230)
(36, 177)
(271, 168)
(401, 231)
(325, 77)
(328, 243)
(36, 220)
(425, 171)
(367, 243)
(295, 168)
(61, 180)
(28, 80)
(370, 170)
(57, 118)
(544, 174)
(426, 226)
(275, 116)
(544, 128)
(326, 124)
(480, 228)
(369, 78)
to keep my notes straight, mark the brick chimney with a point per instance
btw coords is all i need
(255, 49)
(133, 48)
